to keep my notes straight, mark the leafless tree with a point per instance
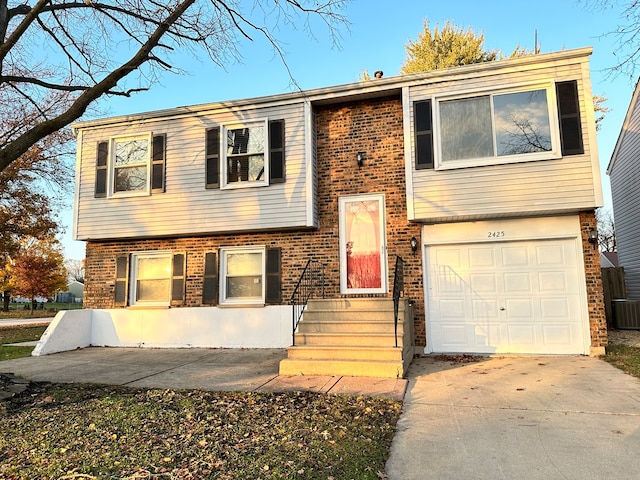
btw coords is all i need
(57, 57)
(75, 270)
(626, 56)
(606, 231)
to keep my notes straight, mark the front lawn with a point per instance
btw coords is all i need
(54, 431)
(44, 310)
(16, 334)
(625, 358)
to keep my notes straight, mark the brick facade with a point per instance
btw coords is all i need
(374, 127)
(595, 292)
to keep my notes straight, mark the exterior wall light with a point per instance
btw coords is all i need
(414, 245)
(593, 236)
(360, 159)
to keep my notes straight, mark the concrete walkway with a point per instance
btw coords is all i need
(207, 369)
(532, 418)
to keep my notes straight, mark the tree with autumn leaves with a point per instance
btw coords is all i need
(38, 270)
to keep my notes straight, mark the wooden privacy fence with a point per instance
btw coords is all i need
(620, 311)
(614, 288)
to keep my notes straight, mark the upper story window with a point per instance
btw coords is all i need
(132, 165)
(489, 129)
(507, 126)
(246, 159)
(246, 155)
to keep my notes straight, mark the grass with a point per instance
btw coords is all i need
(625, 358)
(87, 431)
(17, 310)
(16, 334)
(93, 431)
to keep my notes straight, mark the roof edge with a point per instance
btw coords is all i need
(368, 88)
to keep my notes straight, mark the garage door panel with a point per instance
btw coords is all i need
(515, 257)
(481, 257)
(557, 334)
(554, 282)
(517, 335)
(507, 297)
(483, 283)
(448, 281)
(518, 309)
(557, 308)
(452, 309)
(483, 308)
(519, 282)
(452, 335)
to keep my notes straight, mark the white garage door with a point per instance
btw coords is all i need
(510, 297)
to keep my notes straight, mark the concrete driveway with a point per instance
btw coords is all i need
(518, 418)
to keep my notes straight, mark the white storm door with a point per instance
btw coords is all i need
(363, 257)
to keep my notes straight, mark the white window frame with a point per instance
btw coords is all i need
(111, 192)
(224, 253)
(224, 128)
(552, 112)
(133, 289)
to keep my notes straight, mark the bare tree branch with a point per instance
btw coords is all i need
(97, 46)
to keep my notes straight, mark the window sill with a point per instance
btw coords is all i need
(241, 305)
(149, 307)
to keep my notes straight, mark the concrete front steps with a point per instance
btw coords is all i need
(352, 337)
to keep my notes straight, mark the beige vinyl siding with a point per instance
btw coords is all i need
(516, 189)
(625, 192)
(187, 207)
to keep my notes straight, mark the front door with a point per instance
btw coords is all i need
(363, 257)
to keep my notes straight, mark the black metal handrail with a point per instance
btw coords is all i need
(311, 279)
(398, 287)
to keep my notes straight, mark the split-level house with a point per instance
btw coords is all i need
(469, 191)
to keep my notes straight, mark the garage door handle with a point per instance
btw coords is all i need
(502, 309)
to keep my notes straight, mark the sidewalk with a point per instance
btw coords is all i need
(8, 322)
(207, 369)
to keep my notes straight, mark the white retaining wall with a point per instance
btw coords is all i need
(203, 327)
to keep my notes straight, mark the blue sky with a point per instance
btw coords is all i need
(375, 40)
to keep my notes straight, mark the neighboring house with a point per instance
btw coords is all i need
(199, 220)
(608, 259)
(73, 293)
(624, 174)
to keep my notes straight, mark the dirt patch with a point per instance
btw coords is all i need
(624, 337)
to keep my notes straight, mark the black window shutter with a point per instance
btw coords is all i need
(274, 276)
(101, 169)
(122, 280)
(569, 118)
(423, 134)
(210, 281)
(178, 278)
(212, 153)
(276, 152)
(158, 163)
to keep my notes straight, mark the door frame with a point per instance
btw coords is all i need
(381, 246)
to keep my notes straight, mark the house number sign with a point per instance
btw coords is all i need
(496, 234)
